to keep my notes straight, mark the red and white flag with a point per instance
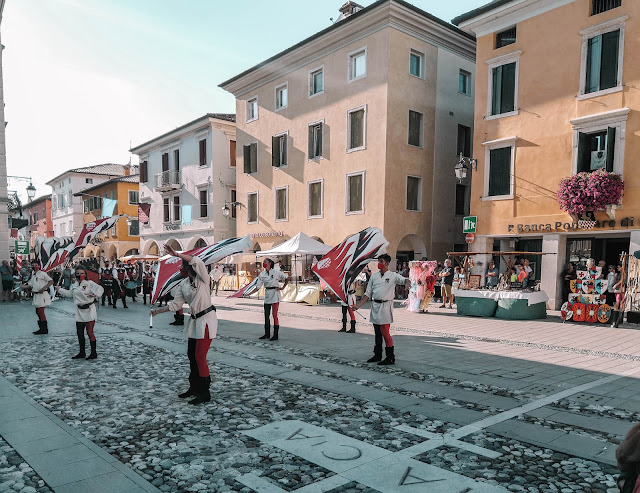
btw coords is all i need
(340, 267)
(52, 252)
(91, 230)
(246, 291)
(168, 274)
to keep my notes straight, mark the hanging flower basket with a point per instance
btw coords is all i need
(590, 192)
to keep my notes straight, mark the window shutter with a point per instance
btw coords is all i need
(246, 152)
(320, 132)
(500, 172)
(254, 157)
(609, 62)
(283, 149)
(232, 152)
(165, 162)
(584, 153)
(611, 146)
(275, 151)
(310, 146)
(143, 172)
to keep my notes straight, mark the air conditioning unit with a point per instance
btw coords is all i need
(598, 159)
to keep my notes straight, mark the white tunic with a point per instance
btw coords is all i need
(271, 279)
(217, 273)
(37, 282)
(383, 288)
(198, 295)
(80, 294)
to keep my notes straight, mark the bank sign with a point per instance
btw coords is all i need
(22, 247)
(469, 224)
(627, 222)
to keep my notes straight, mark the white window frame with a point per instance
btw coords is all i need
(129, 197)
(129, 228)
(204, 188)
(275, 204)
(257, 152)
(595, 123)
(172, 208)
(497, 62)
(591, 32)
(248, 105)
(285, 134)
(364, 130)
(313, 124)
(168, 221)
(423, 63)
(499, 144)
(346, 193)
(406, 193)
(284, 85)
(351, 56)
(310, 81)
(421, 146)
(257, 194)
(468, 75)
(309, 183)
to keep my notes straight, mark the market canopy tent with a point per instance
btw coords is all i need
(300, 244)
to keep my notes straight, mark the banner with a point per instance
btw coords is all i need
(168, 274)
(108, 206)
(52, 252)
(187, 214)
(340, 267)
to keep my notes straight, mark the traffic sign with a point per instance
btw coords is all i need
(22, 247)
(469, 224)
(470, 238)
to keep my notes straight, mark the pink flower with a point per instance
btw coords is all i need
(594, 191)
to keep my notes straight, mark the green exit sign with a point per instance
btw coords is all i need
(469, 224)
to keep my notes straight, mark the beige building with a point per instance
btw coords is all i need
(359, 125)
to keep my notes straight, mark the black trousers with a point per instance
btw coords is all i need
(378, 337)
(267, 316)
(193, 366)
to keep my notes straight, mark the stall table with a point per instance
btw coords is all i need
(308, 293)
(509, 305)
(233, 283)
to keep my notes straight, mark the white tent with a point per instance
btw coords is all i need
(300, 244)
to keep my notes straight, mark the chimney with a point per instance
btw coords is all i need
(349, 9)
(127, 169)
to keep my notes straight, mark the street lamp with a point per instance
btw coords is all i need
(226, 210)
(463, 165)
(31, 190)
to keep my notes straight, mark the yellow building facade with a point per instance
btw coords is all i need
(123, 239)
(557, 92)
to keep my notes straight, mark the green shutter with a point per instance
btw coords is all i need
(500, 172)
(584, 153)
(508, 97)
(254, 158)
(310, 144)
(275, 151)
(611, 145)
(246, 153)
(609, 63)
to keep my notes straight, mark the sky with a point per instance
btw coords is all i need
(85, 79)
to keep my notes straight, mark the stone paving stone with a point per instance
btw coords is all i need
(60, 457)
(534, 434)
(103, 483)
(26, 449)
(588, 446)
(599, 423)
(80, 470)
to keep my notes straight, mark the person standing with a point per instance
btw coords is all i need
(40, 283)
(203, 324)
(147, 284)
(446, 281)
(85, 294)
(66, 277)
(380, 291)
(270, 278)
(617, 315)
(216, 275)
(568, 275)
(611, 281)
(347, 308)
(119, 286)
(106, 281)
(7, 280)
(492, 276)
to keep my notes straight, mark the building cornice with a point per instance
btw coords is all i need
(505, 14)
(604, 118)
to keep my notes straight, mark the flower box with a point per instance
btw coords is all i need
(590, 192)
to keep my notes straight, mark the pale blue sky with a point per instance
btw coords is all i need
(83, 78)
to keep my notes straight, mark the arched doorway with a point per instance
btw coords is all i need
(112, 253)
(133, 251)
(196, 242)
(411, 247)
(175, 244)
(152, 248)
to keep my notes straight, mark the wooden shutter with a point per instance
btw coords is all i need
(611, 146)
(275, 151)
(246, 156)
(310, 146)
(203, 153)
(165, 161)
(143, 172)
(254, 157)
(584, 153)
(283, 149)
(232, 153)
(500, 172)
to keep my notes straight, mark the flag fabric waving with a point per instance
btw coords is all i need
(91, 230)
(246, 291)
(340, 267)
(52, 252)
(168, 274)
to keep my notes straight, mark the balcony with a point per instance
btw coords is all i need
(167, 180)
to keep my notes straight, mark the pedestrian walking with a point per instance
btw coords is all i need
(85, 295)
(40, 283)
(270, 278)
(446, 279)
(203, 323)
(380, 291)
(347, 308)
(216, 274)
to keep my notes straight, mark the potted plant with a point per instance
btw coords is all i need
(585, 193)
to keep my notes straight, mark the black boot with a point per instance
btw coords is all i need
(178, 319)
(619, 319)
(81, 343)
(390, 357)
(202, 393)
(124, 302)
(614, 318)
(353, 327)
(275, 333)
(93, 354)
(267, 331)
(377, 355)
(190, 392)
(344, 325)
(43, 328)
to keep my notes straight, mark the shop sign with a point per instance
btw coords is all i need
(627, 222)
(267, 234)
(469, 224)
(22, 247)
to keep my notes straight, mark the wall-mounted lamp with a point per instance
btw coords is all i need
(226, 210)
(463, 165)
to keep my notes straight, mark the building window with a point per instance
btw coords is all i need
(279, 154)
(202, 146)
(144, 177)
(356, 128)
(113, 195)
(88, 180)
(252, 207)
(602, 62)
(61, 199)
(461, 200)
(233, 207)
(176, 160)
(414, 193)
(282, 96)
(165, 161)
(250, 156)
(134, 229)
(252, 109)
(416, 64)
(202, 195)
(166, 209)
(35, 217)
(176, 208)
(282, 204)
(506, 37)
(315, 140)
(232, 153)
(134, 197)
(464, 82)
(70, 193)
(599, 6)
(86, 206)
(355, 193)
(503, 89)
(499, 172)
(358, 64)
(315, 192)
(596, 150)
(316, 81)
(415, 128)
(464, 141)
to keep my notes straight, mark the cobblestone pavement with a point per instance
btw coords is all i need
(461, 411)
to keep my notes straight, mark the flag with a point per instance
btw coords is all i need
(168, 274)
(52, 252)
(91, 230)
(247, 290)
(108, 206)
(143, 213)
(91, 265)
(340, 267)
(14, 232)
(186, 215)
